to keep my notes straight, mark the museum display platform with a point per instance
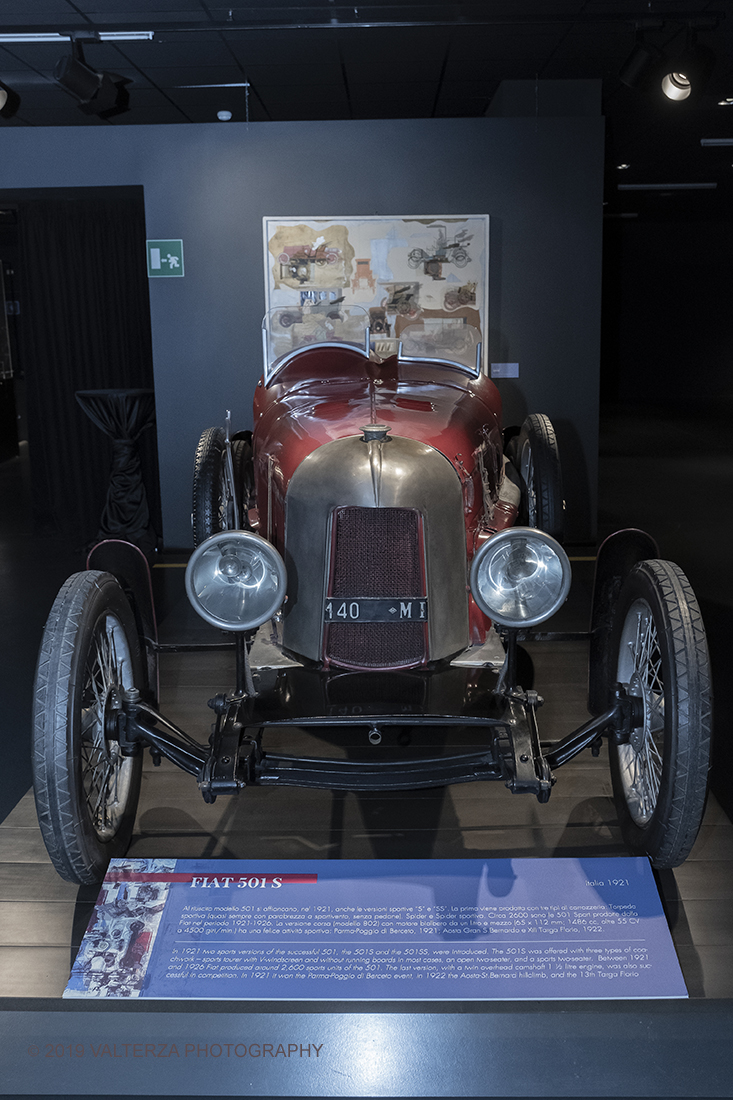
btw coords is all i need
(650, 1048)
(612, 1048)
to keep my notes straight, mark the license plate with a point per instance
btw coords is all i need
(369, 609)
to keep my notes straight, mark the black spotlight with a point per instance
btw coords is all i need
(643, 67)
(99, 93)
(690, 73)
(9, 101)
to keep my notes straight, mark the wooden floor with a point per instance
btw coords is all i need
(42, 919)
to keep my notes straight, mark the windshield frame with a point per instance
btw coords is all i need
(368, 346)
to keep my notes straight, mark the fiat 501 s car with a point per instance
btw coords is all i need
(374, 551)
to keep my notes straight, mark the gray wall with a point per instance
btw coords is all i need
(539, 178)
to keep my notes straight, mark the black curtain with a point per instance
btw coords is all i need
(85, 324)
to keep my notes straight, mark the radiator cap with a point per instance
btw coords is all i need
(373, 432)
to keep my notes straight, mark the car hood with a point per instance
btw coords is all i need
(328, 394)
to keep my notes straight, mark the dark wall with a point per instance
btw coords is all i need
(667, 337)
(540, 180)
(667, 385)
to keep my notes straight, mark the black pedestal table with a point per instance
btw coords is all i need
(124, 415)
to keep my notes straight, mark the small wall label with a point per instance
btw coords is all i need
(505, 370)
(165, 259)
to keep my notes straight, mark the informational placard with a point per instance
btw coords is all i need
(444, 930)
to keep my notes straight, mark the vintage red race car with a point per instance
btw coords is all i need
(384, 537)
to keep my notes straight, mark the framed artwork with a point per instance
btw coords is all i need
(421, 281)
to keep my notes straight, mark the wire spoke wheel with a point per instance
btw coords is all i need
(660, 772)
(526, 469)
(86, 790)
(106, 775)
(640, 667)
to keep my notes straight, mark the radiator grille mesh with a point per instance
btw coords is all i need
(377, 553)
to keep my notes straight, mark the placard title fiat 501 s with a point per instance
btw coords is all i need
(375, 548)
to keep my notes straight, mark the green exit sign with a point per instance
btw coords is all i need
(165, 259)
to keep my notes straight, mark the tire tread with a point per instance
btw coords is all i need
(538, 432)
(206, 484)
(671, 840)
(52, 783)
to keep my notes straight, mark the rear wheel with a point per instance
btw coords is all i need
(538, 461)
(213, 500)
(209, 487)
(660, 775)
(86, 791)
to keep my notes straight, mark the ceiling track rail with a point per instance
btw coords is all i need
(708, 20)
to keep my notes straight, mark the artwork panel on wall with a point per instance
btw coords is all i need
(419, 281)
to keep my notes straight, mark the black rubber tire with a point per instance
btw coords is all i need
(660, 652)
(537, 459)
(207, 518)
(90, 640)
(210, 513)
(244, 477)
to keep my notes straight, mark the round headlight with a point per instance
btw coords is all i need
(236, 580)
(520, 577)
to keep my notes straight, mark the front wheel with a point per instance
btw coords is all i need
(537, 459)
(660, 774)
(86, 791)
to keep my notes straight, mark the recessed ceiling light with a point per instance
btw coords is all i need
(223, 116)
(104, 36)
(126, 36)
(244, 85)
(667, 186)
(620, 166)
(9, 101)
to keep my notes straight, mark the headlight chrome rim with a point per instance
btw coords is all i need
(495, 551)
(236, 569)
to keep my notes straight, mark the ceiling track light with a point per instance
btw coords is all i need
(647, 66)
(9, 101)
(99, 93)
(691, 71)
(644, 65)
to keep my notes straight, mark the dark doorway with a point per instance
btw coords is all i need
(76, 280)
(82, 322)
